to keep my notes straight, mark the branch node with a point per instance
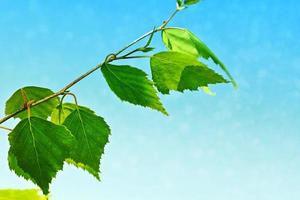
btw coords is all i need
(110, 57)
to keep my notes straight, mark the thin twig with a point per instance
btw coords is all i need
(131, 57)
(164, 24)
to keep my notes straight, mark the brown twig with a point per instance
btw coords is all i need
(5, 128)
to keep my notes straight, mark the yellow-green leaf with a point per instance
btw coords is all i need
(179, 71)
(10, 194)
(61, 112)
(193, 77)
(182, 40)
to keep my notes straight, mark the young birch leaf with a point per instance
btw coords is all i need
(91, 133)
(146, 49)
(132, 85)
(61, 112)
(191, 2)
(31, 94)
(38, 149)
(182, 40)
(193, 77)
(171, 71)
(180, 3)
(21, 195)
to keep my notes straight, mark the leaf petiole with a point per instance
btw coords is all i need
(5, 128)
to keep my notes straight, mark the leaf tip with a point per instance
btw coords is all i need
(235, 85)
(165, 113)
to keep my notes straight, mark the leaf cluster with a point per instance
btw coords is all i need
(56, 132)
(51, 134)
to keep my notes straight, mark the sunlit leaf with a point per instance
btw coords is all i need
(193, 77)
(61, 112)
(10, 194)
(178, 71)
(182, 40)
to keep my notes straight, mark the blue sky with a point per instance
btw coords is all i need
(238, 145)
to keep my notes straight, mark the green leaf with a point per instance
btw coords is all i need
(132, 85)
(61, 112)
(180, 3)
(146, 49)
(191, 2)
(21, 195)
(182, 40)
(13, 165)
(91, 133)
(178, 71)
(193, 77)
(24, 95)
(81, 122)
(38, 149)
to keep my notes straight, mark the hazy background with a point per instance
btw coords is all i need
(239, 145)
